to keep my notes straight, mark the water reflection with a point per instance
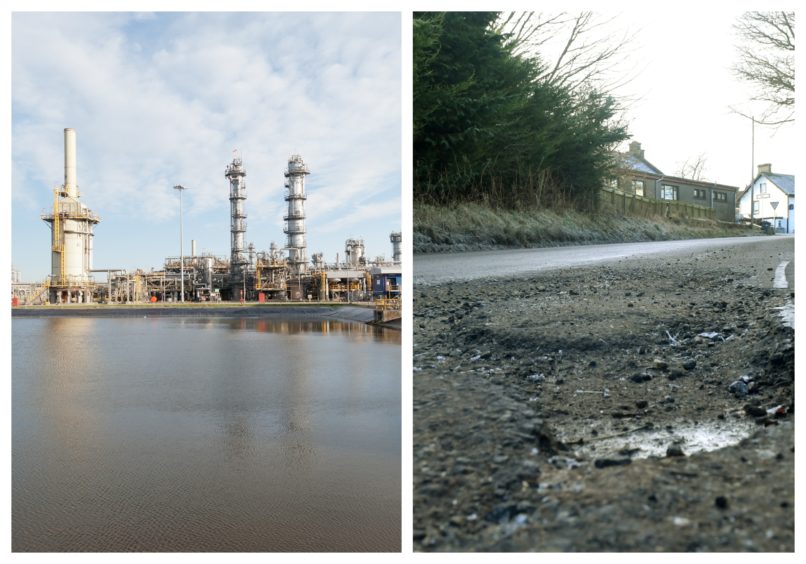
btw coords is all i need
(204, 434)
(348, 329)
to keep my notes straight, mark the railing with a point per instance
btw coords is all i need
(383, 304)
(38, 292)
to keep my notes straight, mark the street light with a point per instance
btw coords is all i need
(181, 247)
(753, 170)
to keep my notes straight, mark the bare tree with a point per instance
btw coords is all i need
(767, 61)
(579, 50)
(693, 168)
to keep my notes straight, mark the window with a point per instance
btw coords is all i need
(720, 196)
(638, 187)
(762, 188)
(613, 183)
(755, 208)
(699, 194)
(668, 192)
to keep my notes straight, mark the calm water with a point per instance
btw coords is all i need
(204, 434)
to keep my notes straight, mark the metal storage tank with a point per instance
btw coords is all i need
(354, 252)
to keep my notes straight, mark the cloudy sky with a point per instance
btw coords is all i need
(680, 96)
(685, 94)
(163, 99)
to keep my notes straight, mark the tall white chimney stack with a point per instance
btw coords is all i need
(70, 183)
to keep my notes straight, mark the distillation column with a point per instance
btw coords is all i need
(396, 238)
(235, 173)
(295, 219)
(71, 226)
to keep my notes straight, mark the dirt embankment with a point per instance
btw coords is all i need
(643, 406)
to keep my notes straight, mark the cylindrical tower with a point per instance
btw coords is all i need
(235, 173)
(70, 182)
(295, 219)
(396, 237)
(354, 252)
(71, 226)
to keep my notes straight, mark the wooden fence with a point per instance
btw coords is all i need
(630, 204)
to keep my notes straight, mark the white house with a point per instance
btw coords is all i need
(773, 198)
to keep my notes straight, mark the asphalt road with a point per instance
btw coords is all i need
(528, 363)
(439, 268)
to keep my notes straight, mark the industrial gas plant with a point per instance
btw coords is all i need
(276, 274)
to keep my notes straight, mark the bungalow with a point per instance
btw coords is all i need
(640, 177)
(773, 199)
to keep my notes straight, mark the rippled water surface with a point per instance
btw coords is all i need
(204, 434)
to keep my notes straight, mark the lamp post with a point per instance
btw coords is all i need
(181, 248)
(753, 170)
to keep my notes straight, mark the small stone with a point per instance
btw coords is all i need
(738, 388)
(675, 450)
(606, 462)
(457, 520)
(676, 373)
(689, 364)
(755, 411)
(680, 521)
(721, 502)
(660, 364)
(529, 470)
(641, 404)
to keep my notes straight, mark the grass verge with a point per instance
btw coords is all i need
(467, 227)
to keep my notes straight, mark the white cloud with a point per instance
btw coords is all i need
(159, 100)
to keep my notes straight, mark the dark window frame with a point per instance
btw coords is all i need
(675, 192)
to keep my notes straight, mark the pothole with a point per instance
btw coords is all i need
(691, 438)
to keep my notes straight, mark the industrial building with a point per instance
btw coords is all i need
(246, 275)
(71, 224)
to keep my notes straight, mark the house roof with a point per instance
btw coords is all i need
(786, 182)
(701, 183)
(638, 164)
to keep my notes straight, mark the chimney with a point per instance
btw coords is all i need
(70, 183)
(762, 168)
(636, 150)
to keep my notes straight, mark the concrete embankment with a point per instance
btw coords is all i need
(343, 312)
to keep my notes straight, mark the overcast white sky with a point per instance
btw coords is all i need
(164, 99)
(681, 88)
(685, 89)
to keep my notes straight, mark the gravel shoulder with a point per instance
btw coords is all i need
(592, 408)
